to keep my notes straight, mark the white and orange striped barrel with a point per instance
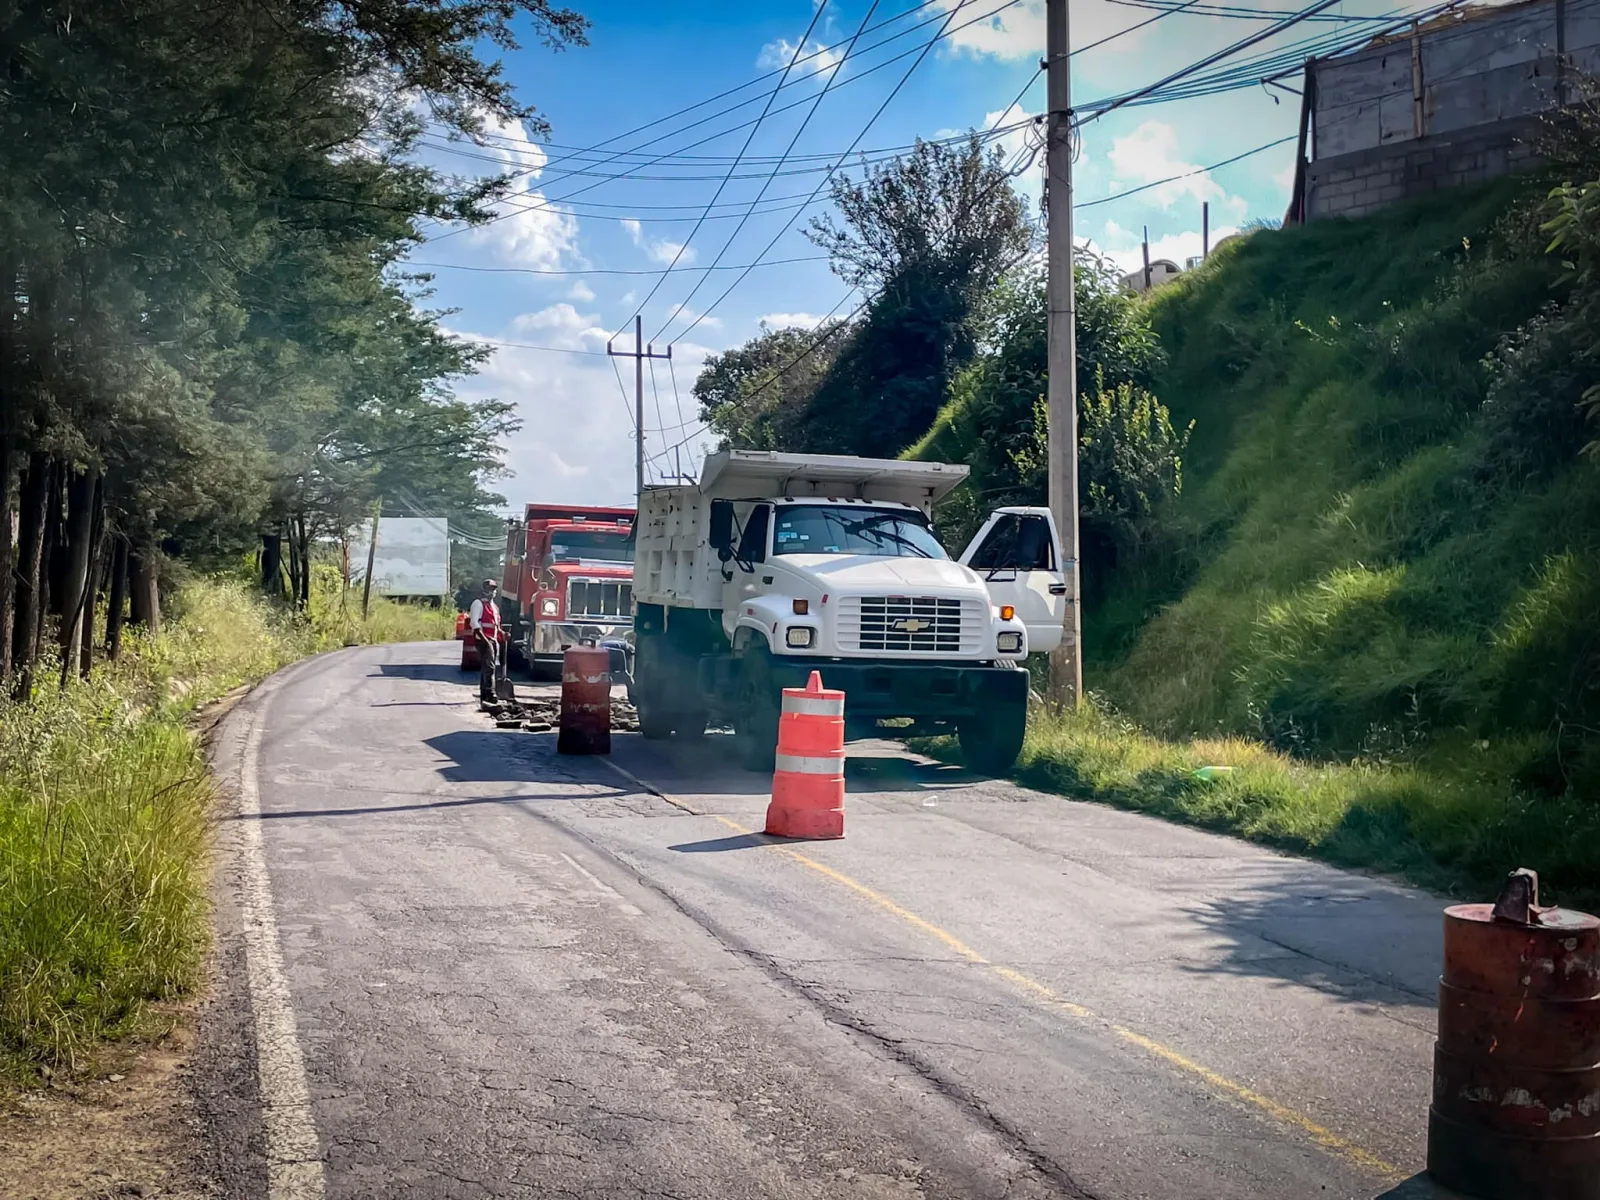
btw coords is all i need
(808, 782)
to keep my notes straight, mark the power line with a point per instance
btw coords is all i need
(828, 178)
(793, 141)
(816, 15)
(1145, 187)
(734, 129)
(776, 262)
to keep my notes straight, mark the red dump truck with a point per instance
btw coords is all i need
(568, 579)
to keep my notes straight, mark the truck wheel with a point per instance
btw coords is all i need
(991, 741)
(756, 724)
(655, 723)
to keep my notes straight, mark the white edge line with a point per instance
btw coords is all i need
(294, 1155)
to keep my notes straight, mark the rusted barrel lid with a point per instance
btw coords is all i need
(1556, 957)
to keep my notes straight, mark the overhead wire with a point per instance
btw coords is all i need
(816, 15)
(793, 141)
(514, 210)
(824, 182)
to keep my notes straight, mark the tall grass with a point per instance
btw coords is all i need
(104, 796)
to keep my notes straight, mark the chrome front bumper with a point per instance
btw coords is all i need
(551, 639)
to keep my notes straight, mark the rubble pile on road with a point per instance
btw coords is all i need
(542, 713)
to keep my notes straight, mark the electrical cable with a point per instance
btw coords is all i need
(1145, 187)
(776, 262)
(816, 15)
(787, 225)
(514, 210)
(804, 123)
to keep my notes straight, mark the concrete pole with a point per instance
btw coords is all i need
(372, 559)
(638, 409)
(1066, 667)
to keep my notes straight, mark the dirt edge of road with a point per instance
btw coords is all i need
(132, 1128)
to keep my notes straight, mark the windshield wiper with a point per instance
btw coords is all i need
(864, 526)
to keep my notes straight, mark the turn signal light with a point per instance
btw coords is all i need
(802, 607)
(1007, 611)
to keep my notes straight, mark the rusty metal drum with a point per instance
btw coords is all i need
(585, 726)
(1516, 1085)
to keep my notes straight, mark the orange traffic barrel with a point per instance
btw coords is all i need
(808, 782)
(585, 726)
(469, 646)
(1516, 1076)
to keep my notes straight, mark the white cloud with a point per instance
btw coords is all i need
(1285, 177)
(776, 55)
(526, 232)
(1150, 153)
(662, 250)
(581, 292)
(1122, 246)
(576, 441)
(791, 320)
(1018, 32)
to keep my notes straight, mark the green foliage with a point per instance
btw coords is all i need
(1387, 533)
(995, 418)
(1450, 825)
(927, 236)
(756, 395)
(104, 801)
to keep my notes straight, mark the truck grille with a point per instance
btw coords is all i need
(911, 624)
(595, 599)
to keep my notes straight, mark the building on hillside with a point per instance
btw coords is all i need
(1451, 101)
(1162, 270)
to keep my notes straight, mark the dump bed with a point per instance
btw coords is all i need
(674, 563)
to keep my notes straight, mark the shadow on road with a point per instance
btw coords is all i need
(437, 672)
(380, 809)
(1357, 940)
(744, 841)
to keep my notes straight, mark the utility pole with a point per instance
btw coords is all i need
(639, 353)
(1066, 666)
(1147, 258)
(1205, 230)
(372, 558)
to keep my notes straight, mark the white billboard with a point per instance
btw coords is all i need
(413, 556)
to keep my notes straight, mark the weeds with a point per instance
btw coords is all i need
(103, 801)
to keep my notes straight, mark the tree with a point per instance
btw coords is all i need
(199, 209)
(756, 396)
(928, 235)
(994, 418)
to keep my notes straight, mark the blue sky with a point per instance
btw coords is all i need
(536, 283)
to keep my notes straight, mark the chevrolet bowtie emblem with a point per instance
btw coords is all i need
(910, 625)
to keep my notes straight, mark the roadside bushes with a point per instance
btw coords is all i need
(104, 796)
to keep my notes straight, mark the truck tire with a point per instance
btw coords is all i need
(655, 723)
(756, 721)
(991, 740)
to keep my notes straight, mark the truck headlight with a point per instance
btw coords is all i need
(1009, 642)
(550, 606)
(799, 637)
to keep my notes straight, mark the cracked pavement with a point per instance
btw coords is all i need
(520, 974)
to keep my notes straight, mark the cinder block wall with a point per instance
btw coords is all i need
(1458, 102)
(1353, 185)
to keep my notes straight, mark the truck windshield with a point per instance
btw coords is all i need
(836, 529)
(583, 545)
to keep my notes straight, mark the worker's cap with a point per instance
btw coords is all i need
(489, 583)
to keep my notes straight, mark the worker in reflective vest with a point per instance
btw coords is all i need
(490, 636)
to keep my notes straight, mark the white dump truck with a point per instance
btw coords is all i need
(774, 565)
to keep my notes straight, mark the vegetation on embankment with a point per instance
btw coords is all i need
(1378, 593)
(104, 799)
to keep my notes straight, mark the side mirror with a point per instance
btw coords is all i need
(722, 528)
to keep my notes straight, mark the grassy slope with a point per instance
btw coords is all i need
(1357, 580)
(103, 801)
(1361, 609)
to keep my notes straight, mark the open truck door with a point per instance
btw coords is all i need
(1018, 554)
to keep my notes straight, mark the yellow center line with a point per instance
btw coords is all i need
(1049, 998)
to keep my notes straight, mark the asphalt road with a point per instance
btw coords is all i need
(457, 964)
